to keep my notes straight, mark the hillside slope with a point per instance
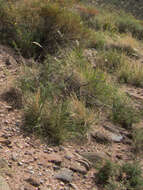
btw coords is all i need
(71, 96)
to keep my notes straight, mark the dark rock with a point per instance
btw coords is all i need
(65, 175)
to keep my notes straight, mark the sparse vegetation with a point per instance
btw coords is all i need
(49, 84)
(131, 72)
(56, 26)
(138, 141)
(81, 57)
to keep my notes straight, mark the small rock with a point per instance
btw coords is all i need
(68, 157)
(33, 181)
(5, 141)
(14, 157)
(78, 168)
(55, 158)
(119, 156)
(73, 186)
(20, 163)
(65, 175)
(56, 167)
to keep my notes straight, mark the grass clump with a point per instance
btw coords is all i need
(123, 111)
(131, 72)
(138, 141)
(98, 41)
(125, 176)
(133, 179)
(117, 21)
(110, 60)
(127, 23)
(69, 117)
(106, 172)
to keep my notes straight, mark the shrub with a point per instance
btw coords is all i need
(48, 23)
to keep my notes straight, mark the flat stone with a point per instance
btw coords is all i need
(3, 184)
(78, 168)
(116, 138)
(94, 157)
(65, 175)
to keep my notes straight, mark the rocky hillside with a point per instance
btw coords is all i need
(71, 95)
(134, 7)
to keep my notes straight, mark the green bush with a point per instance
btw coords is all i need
(131, 73)
(48, 23)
